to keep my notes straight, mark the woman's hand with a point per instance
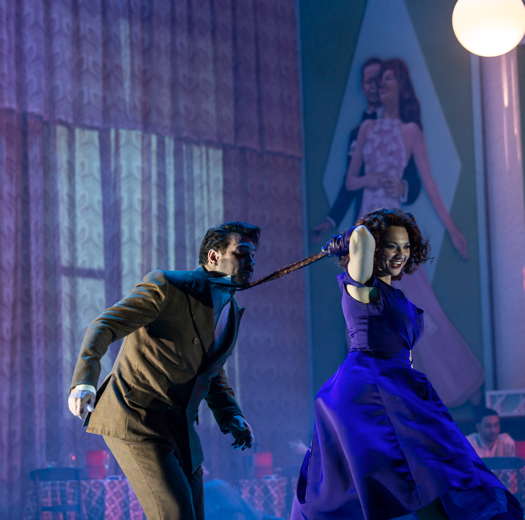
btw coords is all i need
(370, 181)
(338, 244)
(394, 188)
(459, 241)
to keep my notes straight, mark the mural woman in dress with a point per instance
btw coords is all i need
(385, 146)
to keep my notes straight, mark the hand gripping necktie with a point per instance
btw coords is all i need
(336, 246)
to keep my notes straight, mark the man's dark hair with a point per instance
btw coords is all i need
(481, 413)
(218, 238)
(370, 61)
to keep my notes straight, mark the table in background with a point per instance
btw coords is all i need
(271, 495)
(107, 499)
(113, 499)
(514, 481)
(511, 473)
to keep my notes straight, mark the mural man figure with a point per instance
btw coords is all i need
(488, 441)
(180, 328)
(411, 183)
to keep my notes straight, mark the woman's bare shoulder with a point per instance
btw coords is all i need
(366, 124)
(365, 127)
(411, 134)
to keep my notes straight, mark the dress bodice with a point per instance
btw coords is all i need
(386, 325)
(385, 155)
(384, 150)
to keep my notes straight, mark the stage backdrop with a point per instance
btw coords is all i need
(335, 43)
(126, 129)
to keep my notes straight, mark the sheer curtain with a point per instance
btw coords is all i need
(127, 128)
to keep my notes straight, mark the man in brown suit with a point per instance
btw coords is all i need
(180, 328)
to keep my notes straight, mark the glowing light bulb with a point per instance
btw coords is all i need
(489, 27)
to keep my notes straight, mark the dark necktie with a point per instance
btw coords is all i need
(221, 327)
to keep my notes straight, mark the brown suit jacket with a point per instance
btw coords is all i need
(164, 368)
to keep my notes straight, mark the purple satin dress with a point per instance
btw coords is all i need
(384, 445)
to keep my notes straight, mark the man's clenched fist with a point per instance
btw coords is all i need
(242, 432)
(81, 400)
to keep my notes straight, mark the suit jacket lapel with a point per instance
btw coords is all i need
(201, 308)
(239, 311)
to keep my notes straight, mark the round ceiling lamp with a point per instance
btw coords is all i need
(489, 27)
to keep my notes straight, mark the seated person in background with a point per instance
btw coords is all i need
(488, 441)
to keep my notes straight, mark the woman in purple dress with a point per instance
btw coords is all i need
(384, 445)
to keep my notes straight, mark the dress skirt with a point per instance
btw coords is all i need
(384, 445)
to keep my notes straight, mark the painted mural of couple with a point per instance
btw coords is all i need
(383, 444)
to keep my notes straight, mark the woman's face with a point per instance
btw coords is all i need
(395, 249)
(388, 87)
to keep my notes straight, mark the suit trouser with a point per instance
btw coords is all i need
(164, 489)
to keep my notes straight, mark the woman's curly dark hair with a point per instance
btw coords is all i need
(409, 108)
(378, 221)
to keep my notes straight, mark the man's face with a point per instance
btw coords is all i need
(489, 428)
(370, 84)
(237, 260)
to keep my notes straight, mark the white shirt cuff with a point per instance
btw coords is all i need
(91, 388)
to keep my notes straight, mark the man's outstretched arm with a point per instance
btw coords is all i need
(137, 309)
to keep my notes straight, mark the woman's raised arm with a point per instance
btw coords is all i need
(361, 251)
